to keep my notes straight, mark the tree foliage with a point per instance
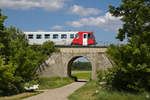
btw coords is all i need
(81, 66)
(132, 67)
(136, 17)
(18, 59)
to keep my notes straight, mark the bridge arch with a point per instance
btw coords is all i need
(76, 56)
(71, 62)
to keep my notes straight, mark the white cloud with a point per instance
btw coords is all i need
(58, 27)
(81, 11)
(50, 5)
(106, 22)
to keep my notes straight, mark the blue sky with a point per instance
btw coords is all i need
(63, 15)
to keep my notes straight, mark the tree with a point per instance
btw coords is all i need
(18, 59)
(81, 65)
(136, 17)
(7, 78)
(132, 69)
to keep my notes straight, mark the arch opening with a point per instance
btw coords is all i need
(80, 69)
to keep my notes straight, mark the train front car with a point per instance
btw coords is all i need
(84, 38)
(62, 38)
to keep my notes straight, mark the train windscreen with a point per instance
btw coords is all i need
(90, 36)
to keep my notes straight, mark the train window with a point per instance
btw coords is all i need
(77, 36)
(63, 36)
(47, 36)
(90, 36)
(85, 35)
(30, 36)
(55, 36)
(38, 36)
(71, 36)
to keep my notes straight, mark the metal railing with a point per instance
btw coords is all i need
(108, 43)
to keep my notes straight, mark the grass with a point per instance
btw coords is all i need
(81, 69)
(115, 95)
(45, 83)
(86, 75)
(53, 82)
(88, 92)
(20, 96)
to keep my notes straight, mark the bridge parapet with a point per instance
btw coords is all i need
(83, 50)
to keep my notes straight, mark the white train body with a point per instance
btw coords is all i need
(61, 38)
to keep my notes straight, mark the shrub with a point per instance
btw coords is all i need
(131, 72)
(100, 75)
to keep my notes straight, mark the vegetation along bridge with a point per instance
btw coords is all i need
(59, 64)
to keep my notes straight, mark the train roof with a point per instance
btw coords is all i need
(57, 32)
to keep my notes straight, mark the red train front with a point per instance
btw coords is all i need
(84, 38)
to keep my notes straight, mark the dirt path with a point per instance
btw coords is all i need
(59, 93)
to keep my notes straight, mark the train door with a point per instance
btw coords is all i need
(85, 40)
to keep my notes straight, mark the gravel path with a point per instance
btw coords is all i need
(59, 93)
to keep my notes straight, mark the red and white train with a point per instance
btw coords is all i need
(62, 38)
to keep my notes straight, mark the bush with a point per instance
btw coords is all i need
(100, 75)
(131, 72)
(9, 84)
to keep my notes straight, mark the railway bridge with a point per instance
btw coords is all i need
(59, 64)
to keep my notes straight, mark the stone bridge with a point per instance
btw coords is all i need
(59, 64)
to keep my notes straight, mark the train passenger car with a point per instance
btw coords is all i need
(62, 38)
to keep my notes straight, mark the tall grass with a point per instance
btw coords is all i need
(53, 82)
(45, 83)
(86, 75)
(93, 91)
(20, 96)
(86, 92)
(116, 95)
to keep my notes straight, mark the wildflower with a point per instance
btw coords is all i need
(147, 96)
(97, 92)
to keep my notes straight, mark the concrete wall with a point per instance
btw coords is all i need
(58, 64)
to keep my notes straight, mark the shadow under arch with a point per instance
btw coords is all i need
(71, 62)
